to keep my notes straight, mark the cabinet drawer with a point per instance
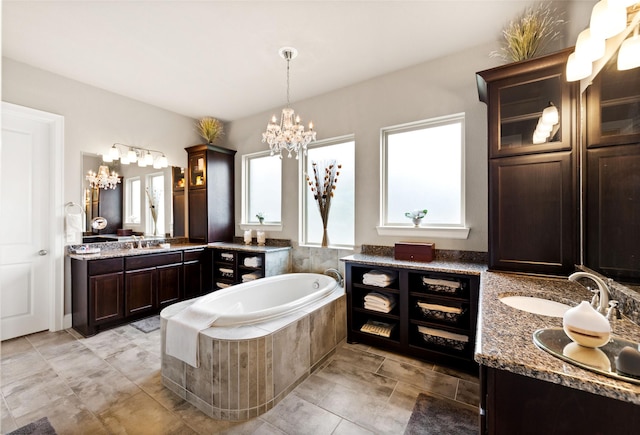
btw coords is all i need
(142, 261)
(193, 255)
(101, 267)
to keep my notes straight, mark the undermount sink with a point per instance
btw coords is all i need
(535, 305)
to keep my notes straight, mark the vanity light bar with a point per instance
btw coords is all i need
(130, 154)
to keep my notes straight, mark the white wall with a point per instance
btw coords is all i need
(95, 119)
(432, 89)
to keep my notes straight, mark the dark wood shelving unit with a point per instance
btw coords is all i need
(405, 337)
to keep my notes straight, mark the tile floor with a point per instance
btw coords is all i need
(110, 384)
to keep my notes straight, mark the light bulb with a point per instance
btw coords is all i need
(132, 156)
(607, 19)
(578, 68)
(589, 47)
(107, 158)
(164, 162)
(550, 115)
(148, 159)
(629, 54)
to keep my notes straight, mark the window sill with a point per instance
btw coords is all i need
(435, 232)
(261, 227)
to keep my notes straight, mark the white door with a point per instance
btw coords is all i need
(26, 270)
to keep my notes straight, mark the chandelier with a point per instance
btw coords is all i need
(289, 134)
(103, 179)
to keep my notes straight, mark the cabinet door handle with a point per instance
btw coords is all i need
(43, 252)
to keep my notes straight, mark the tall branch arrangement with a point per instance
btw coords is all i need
(325, 177)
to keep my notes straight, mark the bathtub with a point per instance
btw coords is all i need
(267, 298)
(252, 357)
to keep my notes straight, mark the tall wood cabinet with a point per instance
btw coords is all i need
(612, 173)
(532, 180)
(210, 181)
(179, 201)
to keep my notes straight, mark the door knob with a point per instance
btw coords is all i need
(43, 252)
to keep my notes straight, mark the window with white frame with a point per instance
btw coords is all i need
(341, 220)
(155, 185)
(261, 188)
(132, 201)
(423, 168)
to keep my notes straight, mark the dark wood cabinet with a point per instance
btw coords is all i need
(179, 202)
(233, 264)
(109, 292)
(532, 181)
(612, 174)
(210, 193)
(517, 404)
(417, 294)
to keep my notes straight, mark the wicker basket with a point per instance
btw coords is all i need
(441, 286)
(444, 342)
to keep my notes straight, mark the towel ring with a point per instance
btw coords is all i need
(70, 205)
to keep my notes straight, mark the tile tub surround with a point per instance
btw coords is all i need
(246, 370)
(505, 335)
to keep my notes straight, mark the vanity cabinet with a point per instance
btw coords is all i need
(210, 193)
(532, 181)
(417, 293)
(152, 282)
(516, 404)
(97, 296)
(113, 291)
(612, 174)
(231, 262)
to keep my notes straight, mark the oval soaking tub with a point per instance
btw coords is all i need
(268, 335)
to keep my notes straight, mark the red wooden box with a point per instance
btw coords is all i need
(415, 251)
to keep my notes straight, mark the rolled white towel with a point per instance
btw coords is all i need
(380, 308)
(253, 261)
(380, 298)
(380, 276)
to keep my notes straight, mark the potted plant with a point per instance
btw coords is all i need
(210, 129)
(260, 217)
(416, 216)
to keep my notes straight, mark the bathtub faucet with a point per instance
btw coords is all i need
(337, 274)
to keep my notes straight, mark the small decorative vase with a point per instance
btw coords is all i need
(247, 237)
(155, 226)
(261, 237)
(325, 238)
(416, 221)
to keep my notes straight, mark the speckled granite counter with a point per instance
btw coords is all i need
(435, 266)
(247, 248)
(504, 335)
(118, 251)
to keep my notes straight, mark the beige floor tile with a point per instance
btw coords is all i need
(48, 339)
(107, 343)
(136, 364)
(67, 416)
(347, 428)
(20, 365)
(314, 389)
(11, 347)
(402, 358)
(457, 373)
(294, 415)
(468, 392)
(7, 423)
(103, 388)
(429, 380)
(140, 414)
(77, 362)
(362, 359)
(154, 388)
(355, 405)
(30, 393)
(356, 378)
(50, 352)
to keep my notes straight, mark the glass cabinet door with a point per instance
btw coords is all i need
(613, 106)
(197, 170)
(532, 114)
(178, 178)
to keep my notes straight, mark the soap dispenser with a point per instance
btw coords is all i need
(586, 326)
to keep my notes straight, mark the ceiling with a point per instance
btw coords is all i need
(220, 58)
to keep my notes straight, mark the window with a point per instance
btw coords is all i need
(155, 182)
(423, 168)
(341, 221)
(261, 188)
(132, 201)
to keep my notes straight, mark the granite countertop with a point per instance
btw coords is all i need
(109, 252)
(461, 267)
(247, 248)
(505, 335)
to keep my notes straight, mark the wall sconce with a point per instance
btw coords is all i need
(129, 154)
(608, 19)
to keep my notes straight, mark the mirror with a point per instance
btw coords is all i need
(611, 174)
(128, 205)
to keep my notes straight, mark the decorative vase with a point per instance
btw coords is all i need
(416, 221)
(155, 225)
(247, 237)
(325, 238)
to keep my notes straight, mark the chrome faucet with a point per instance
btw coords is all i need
(603, 289)
(138, 240)
(338, 275)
